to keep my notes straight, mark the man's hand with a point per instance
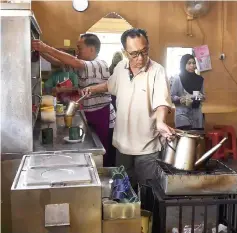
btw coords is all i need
(38, 45)
(99, 88)
(86, 92)
(165, 130)
(183, 100)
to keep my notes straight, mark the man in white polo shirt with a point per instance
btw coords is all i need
(98, 109)
(143, 102)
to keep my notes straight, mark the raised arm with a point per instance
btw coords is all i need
(64, 58)
(51, 59)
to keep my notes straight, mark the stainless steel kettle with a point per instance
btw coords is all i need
(185, 153)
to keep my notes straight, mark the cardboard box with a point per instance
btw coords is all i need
(122, 226)
(121, 210)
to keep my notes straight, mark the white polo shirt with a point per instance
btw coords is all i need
(137, 100)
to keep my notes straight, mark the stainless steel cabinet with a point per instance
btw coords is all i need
(18, 82)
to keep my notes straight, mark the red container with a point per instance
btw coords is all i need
(65, 83)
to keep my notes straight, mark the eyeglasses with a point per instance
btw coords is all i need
(135, 54)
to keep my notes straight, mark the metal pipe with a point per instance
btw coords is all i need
(208, 154)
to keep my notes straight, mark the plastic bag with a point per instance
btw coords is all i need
(197, 229)
(188, 229)
(200, 229)
(221, 229)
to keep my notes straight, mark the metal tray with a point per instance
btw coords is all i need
(217, 178)
(58, 176)
(91, 143)
(58, 160)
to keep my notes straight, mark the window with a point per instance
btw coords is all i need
(174, 55)
(110, 43)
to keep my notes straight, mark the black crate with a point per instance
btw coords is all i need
(153, 199)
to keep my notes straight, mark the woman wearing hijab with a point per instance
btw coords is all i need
(187, 95)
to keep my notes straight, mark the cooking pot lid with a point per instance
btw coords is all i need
(58, 176)
(58, 160)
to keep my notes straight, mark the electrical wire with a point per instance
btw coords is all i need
(202, 31)
(222, 41)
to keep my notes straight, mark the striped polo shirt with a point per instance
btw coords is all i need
(95, 72)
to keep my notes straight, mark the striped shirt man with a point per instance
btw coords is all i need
(95, 72)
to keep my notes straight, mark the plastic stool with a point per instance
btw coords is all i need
(214, 137)
(232, 147)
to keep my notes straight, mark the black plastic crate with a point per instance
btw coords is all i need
(153, 199)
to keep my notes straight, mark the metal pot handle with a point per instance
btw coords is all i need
(167, 143)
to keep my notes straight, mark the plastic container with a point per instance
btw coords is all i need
(48, 100)
(48, 114)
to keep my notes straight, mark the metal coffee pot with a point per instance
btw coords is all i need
(73, 107)
(182, 151)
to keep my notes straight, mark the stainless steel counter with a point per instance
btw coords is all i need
(11, 161)
(91, 143)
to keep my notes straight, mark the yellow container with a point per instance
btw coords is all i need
(47, 109)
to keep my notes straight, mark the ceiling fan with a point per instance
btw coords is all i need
(195, 9)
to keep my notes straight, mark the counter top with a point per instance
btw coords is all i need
(91, 143)
(217, 108)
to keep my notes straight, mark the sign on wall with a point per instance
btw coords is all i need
(203, 57)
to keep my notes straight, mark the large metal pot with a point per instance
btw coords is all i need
(186, 155)
(169, 153)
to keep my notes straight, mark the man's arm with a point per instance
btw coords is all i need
(99, 88)
(162, 103)
(51, 59)
(59, 55)
(162, 127)
(162, 113)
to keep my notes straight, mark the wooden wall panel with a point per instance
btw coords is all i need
(166, 26)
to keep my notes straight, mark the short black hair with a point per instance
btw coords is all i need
(92, 40)
(133, 32)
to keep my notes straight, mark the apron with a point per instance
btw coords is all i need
(67, 97)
